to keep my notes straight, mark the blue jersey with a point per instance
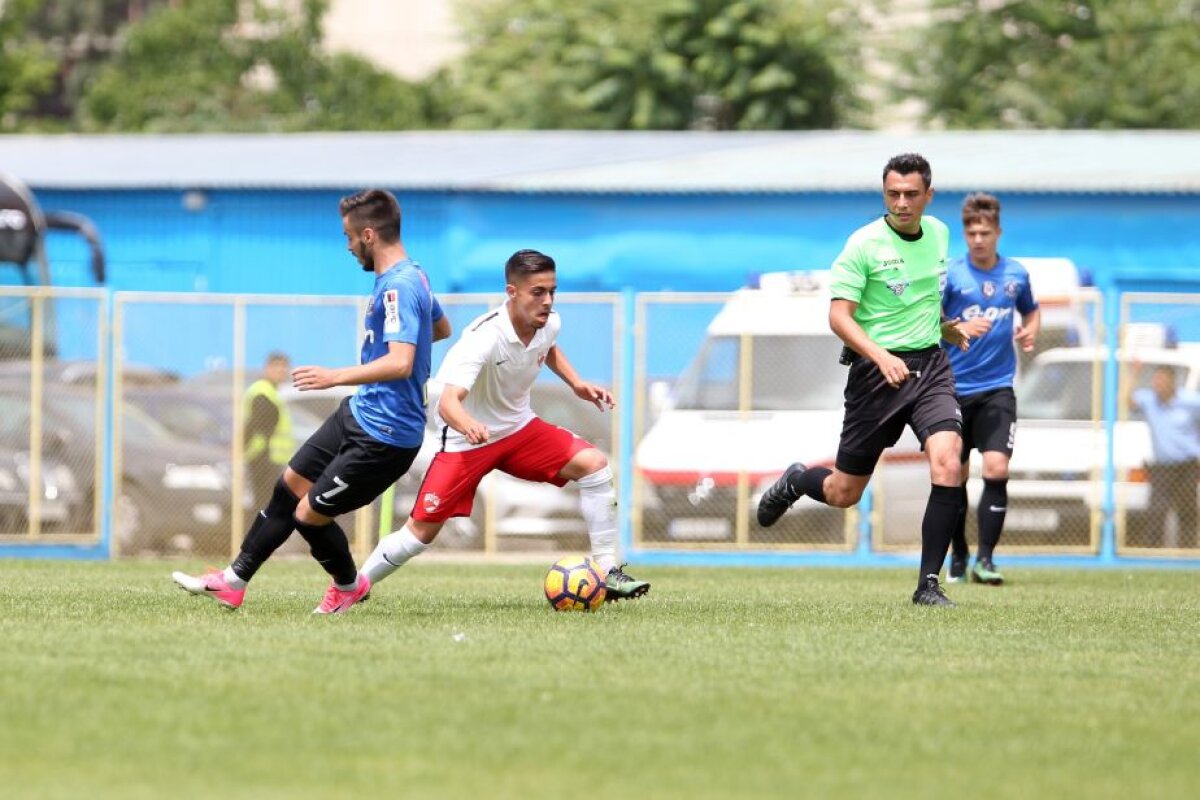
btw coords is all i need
(970, 292)
(402, 308)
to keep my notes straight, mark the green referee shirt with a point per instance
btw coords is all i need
(897, 284)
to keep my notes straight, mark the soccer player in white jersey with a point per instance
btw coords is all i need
(488, 424)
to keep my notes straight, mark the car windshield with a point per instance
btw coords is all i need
(137, 425)
(1066, 389)
(788, 373)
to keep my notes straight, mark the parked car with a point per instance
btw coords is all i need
(1055, 485)
(62, 507)
(174, 494)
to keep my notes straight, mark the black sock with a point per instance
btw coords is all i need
(812, 483)
(331, 549)
(271, 528)
(941, 515)
(958, 542)
(993, 504)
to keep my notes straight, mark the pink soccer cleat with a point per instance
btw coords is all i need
(337, 601)
(211, 584)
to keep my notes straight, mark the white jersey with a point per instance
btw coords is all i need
(498, 371)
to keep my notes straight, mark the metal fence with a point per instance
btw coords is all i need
(122, 420)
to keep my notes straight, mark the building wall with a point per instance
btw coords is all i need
(410, 38)
(291, 241)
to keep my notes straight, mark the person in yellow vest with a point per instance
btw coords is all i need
(268, 437)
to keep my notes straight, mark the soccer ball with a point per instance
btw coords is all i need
(574, 584)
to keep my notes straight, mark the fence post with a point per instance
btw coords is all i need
(625, 403)
(1112, 337)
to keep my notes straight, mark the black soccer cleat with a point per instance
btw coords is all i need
(957, 573)
(779, 497)
(930, 594)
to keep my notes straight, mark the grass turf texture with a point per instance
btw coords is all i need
(460, 681)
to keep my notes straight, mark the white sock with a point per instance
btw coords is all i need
(598, 505)
(392, 553)
(232, 579)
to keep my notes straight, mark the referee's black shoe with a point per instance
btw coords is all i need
(780, 496)
(930, 594)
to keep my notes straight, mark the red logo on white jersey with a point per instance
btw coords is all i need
(431, 502)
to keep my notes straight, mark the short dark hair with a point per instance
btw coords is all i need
(981, 207)
(275, 356)
(376, 209)
(527, 262)
(908, 163)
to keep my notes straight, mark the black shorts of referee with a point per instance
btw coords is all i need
(876, 413)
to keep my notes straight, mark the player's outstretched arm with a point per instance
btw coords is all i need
(560, 366)
(451, 409)
(396, 364)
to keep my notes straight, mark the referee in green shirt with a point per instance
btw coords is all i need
(887, 308)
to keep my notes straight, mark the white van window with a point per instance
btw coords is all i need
(789, 373)
(1063, 389)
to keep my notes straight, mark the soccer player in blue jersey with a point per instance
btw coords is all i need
(371, 440)
(986, 291)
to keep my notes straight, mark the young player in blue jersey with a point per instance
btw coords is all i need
(370, 441)
(986, 290)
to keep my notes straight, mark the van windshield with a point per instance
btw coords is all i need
(1066, 389)
(789, 373)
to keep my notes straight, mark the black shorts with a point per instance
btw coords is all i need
(347, 466)
(989, 422)
(876, 413)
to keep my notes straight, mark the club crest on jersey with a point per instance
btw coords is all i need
(989, 288)
(431, 502)
(897, 287)
(541, 360)
(391, 311)
(1012, 288)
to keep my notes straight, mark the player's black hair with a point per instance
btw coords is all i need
(276, 356)
(376, 209)
(908, 163)
(981, 207)
(527, 262)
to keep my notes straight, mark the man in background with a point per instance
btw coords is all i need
(986, 290)
(268, 432)
(1174, 419)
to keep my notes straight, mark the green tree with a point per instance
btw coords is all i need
(229, 65)
(27, 67)
(656, 64)
(1061, 64)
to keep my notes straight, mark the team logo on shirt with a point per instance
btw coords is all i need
(541, 360)
(989, 288)
(1012, 288)
(897, 287)
(391, 311)
(431, 502)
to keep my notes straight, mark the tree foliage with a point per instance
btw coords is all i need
(656, 64)
(27, 66)
(1062, 64)
(231, 65)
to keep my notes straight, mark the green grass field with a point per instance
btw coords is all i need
(459, 681)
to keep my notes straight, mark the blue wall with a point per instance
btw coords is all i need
(291, 241)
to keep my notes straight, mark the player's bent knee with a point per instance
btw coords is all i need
(583, 463)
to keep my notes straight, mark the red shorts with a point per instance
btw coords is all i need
(535, 453)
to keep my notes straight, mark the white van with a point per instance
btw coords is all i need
(719, 442)
(1055, 486)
